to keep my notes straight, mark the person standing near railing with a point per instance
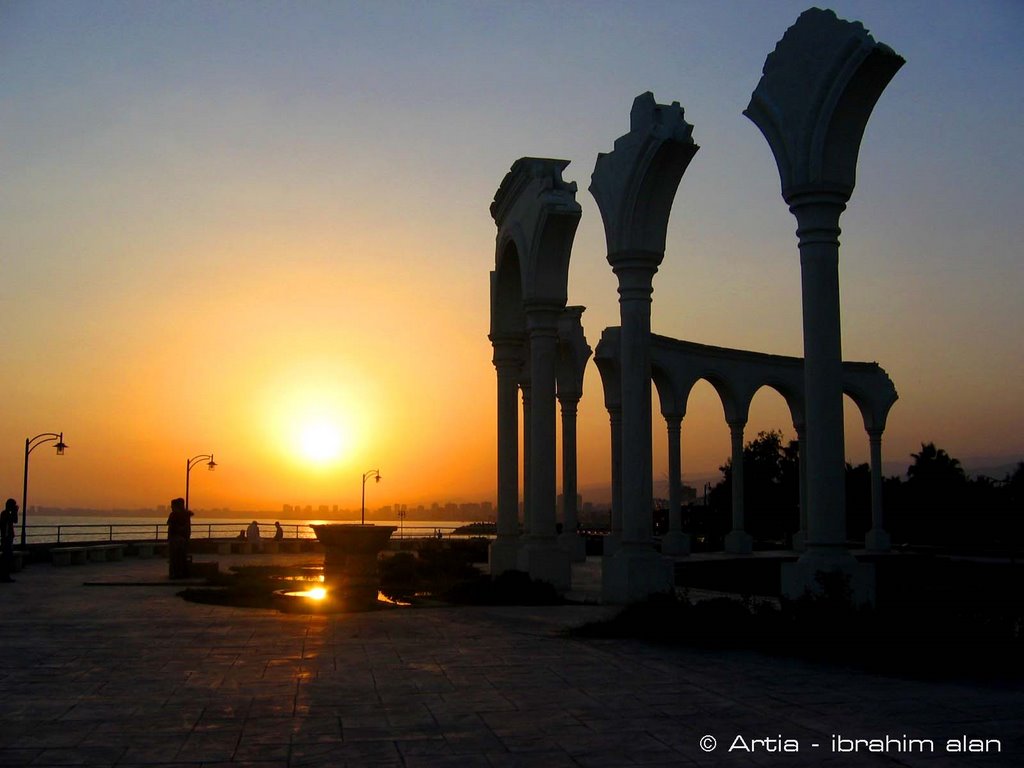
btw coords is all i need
(8, 519)
(179, 531)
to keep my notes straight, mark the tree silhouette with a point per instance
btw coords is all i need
(937, 505)
(771, 487)
(934, 467)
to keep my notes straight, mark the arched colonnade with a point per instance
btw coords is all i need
(737, 376)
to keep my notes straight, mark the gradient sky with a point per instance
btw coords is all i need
(222, 222)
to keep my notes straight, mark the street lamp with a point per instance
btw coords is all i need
(366, 476)
(31, 443)
(191, 463)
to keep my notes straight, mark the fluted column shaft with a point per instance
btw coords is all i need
(817, 216)
(570, 514)
(615, 419)
(636, 273)
(875, 440)
(800, 537)
(507, 362)
(675, 474)
(542, 325)
(527, 454)
(736, 435)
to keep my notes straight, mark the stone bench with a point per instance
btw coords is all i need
(144, 549)
(68, 555)
(263, 546)
(104, 553)
(96, 553)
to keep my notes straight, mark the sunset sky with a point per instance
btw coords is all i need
(238, 226)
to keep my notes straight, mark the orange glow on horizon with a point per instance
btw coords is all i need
(297, 282)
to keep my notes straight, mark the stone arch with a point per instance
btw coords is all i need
(507, 316)
(791, 395)
(874, 394)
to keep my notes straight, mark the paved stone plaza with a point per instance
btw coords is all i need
(135, 676)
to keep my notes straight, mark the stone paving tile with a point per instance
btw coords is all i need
(138, 677)
(538, 759)
(444, 761)
(18, 757)
(97, 755)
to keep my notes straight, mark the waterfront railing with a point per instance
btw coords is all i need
(71, 533)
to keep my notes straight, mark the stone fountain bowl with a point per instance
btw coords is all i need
(351, 574)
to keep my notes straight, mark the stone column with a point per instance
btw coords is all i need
(800, 537)
(573, 355)
(635, 275)
(877, 540)
(813, 101)
(540, 556)
(636, 570)
(570, 537)
(527, 460)
(614, 537)
(675, 542)
(817, 217)
(738, 541)
(634, 186)
(507, 362)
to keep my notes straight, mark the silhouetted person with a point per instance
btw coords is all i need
(179, 531)
(8, 519)
(278, 531)
(252, 533)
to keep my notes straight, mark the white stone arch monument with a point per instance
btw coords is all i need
(813, 101)
(634, 186)
(536, 214)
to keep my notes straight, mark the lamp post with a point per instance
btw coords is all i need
(210, 464)
(31, 443)
(401, 522)
(375, 473)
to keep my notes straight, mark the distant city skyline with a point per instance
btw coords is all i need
(261, 230)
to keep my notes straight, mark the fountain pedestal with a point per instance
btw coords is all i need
(351, 576)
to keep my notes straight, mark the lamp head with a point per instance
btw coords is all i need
(377, 478)
(61, 445)
(211, 464)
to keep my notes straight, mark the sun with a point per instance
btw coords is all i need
(316, 425)
(321, 442)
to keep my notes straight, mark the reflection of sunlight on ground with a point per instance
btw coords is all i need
(315, 593)
(319, 594)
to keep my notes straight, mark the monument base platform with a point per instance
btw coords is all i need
(812, 572)
(635, 573)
